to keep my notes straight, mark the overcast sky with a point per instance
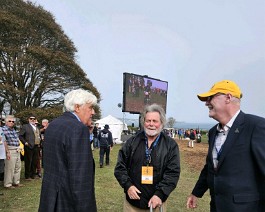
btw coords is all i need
(189, 43)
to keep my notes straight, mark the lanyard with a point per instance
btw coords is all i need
(220, 139)
(149, 150)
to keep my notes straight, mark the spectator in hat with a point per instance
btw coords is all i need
(106, 143)
(30, 136)
(235, 165)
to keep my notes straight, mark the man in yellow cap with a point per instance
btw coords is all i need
(235, 167)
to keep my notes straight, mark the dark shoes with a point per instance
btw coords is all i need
(35, 176)
(18, 185)
(14, 186)
(101, 166)
(10, 187)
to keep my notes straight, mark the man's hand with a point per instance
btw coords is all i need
(155, 201)
(133, 192)
(192, 201)
(8, 155)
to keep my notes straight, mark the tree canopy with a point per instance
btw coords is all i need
(37, 60)
(171, 122)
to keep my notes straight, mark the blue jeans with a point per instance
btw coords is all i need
(96, 143)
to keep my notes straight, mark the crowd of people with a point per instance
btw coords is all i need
(29, 140)
(148, 163)
(191, 135)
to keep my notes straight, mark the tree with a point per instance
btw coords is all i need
(171, 122)
(40, 113)
(2, 105)
(37, 60)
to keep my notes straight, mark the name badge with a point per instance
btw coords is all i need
(147, 175)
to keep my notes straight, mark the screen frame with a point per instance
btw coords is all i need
(125, 93)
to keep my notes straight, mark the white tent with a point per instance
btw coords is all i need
(115, 127)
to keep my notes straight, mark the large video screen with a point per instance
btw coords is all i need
(139, 91)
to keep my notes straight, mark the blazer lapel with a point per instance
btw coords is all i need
(212, 137)
(232, 136)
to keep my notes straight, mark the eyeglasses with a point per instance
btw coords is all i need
(11, 121)
(32, 118)
(213, 96)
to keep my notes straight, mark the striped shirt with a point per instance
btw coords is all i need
(11, 136)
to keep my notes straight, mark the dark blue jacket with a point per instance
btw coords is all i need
(68, 181)
(238, 183)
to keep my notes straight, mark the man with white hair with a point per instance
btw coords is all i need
(148, 165)
(69, 170)
(12, 162)
(234, 171)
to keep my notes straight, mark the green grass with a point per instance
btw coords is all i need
(109, 194)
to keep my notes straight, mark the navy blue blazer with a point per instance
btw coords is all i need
(69, 172)
(238, 183)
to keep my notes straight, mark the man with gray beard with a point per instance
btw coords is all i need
(148, 165)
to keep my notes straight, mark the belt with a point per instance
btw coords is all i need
(13, 147)
(18, 149)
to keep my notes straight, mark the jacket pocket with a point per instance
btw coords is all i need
(240, 198)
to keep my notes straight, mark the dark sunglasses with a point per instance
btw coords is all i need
(32, 118)
(11, 121)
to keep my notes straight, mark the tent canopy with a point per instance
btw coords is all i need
(116, 127)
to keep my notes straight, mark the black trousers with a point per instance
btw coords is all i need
(2, 169)
(212, 205)
(102, 152)
(30, 160)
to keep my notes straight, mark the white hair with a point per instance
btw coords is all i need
(44, 120)
(78, 97)
(8, 117)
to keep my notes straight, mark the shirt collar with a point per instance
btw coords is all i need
(229, 124)
(76, 116)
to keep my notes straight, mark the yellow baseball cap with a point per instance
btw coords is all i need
(225, 86)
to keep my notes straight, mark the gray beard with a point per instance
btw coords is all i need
(152, 133)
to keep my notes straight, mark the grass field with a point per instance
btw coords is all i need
(109, 194)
